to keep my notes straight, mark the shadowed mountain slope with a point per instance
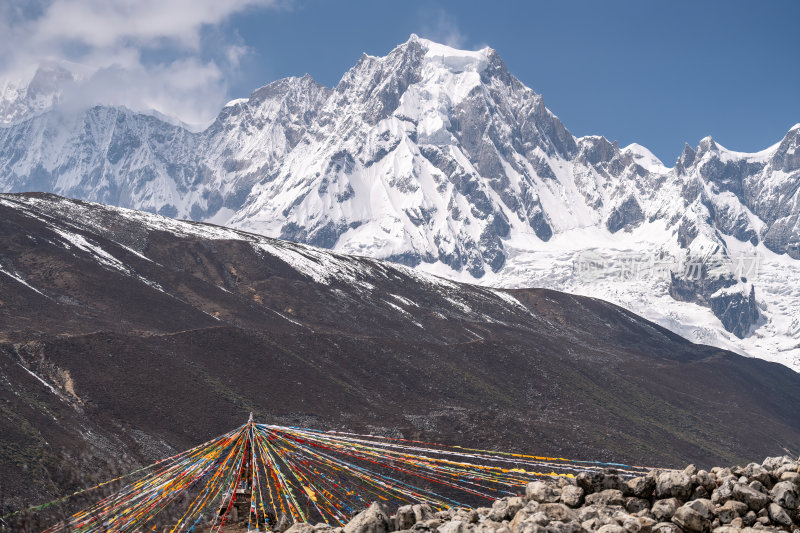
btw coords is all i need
(125, 336)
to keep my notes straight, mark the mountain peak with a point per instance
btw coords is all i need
(707, 145)
(454, 58)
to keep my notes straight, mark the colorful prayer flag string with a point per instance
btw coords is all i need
(258, 473)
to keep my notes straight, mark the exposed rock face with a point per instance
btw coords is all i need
(603, 510)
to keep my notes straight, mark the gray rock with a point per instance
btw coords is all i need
(749, 519)
(632, 525)
(430, 524)
(634, 505)
(773, 463)
(673, 485)
(778, 515)
(606, 497)
(642, 487)
(724, 492)
(690, 470)
(791, 477)
(592, 524)
(736, 507)
(725, 515)
(300, 527)
(506, 508)
(597, 481)
(699, 493)
(784, 493)
(705, 480)
(541, 492)
(563, 527)
(756, 472)
(666, 527)
(664, 509)
(453, 526)
(737, 311)
(373, 520)
(523, 515)
(762, 520)
(558, 511)
(572, 496)
(627, 215)
(611, 528)
(754, 499)
(694, 516)
(404, 518)
(539, 518)
(646, 524)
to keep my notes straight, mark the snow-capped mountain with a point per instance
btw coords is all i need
(441, 159)
(27, 96)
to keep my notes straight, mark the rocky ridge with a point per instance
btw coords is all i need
(756, 497)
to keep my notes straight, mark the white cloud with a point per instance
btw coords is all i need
(438, 25)
(145, 54)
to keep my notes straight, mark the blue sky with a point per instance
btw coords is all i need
(656, 73)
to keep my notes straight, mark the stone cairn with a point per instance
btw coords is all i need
(758, 497)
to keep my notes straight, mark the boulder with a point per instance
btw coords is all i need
(791, 477)
(778, 515)
(506, 508)
(453, 526)
(539, 518)
(666, 527)
(634, 505)
(598, 481)
(645, 524)
(541, 492)
(572, 496)
(705, 480)
(754, 499)
(774, 463)
(404, 518)
(756, 472)
(784, 493)
(690, 470)
(300, 527)
(673, 485)
(694, 516)
(663, 510)
(724, 492)
(523, 515)
(611, 528)
(563, 527)
(606, 497)
(642, 487)
(558, 511)
(731, 511)
(725, 515)
(375, 519)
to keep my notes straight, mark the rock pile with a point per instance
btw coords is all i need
(762, 497)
